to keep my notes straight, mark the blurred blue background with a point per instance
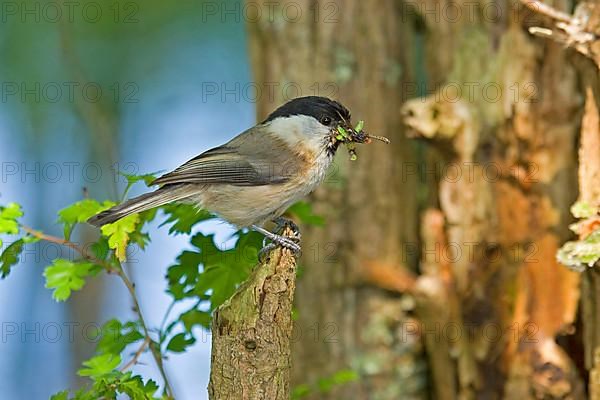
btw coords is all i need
(152, 63)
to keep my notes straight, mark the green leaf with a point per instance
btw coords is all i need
(195, 317)
(303, 211)
(65, 276)
(100, 248)
(8, 218)
(116, 336)
(180, 342)
(225, 270)
(80, 212)
(342, 377)
(133, 179)
(118, 234)
(11, 211)
(64, 395)
(100, 365)
(134, 387)
(10, 257)
(582, 209)
(183, 217)
(183, 276)
(300, 391)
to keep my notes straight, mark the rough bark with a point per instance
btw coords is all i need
(251, 334)
(488, 239)
(589, 184)
(504, 217)
(581, 31)
(360, 52)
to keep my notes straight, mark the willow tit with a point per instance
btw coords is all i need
(256, 176)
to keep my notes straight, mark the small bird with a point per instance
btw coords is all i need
(256, 176)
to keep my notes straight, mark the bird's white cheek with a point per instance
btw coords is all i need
(301, 131)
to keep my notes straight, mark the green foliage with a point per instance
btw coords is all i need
(303, 211)
(8, 219)
(64, 395)
(10, 257)
(180, 342)
(100, 366)
(133, 179)
(116, 336)
(342, 377)
(183, 217)
(80, 212)
(112, 384)
(224, 270)
(325, 385)
(195, 317)
(65, 276)
(205, 276)
(118, 234)
(9, 225)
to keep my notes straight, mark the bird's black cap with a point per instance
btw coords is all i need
(314, 106)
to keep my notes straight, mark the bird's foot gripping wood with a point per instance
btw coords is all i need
(291, 243)
(282, 223)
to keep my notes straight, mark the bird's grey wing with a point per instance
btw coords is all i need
(226, 165)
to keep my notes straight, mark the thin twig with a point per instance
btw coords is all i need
(57, 240)
(549, 11)
(164, 321)
(155, 352)
(137, 355)
(130, 287)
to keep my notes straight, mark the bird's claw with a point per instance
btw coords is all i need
(285, 242)
(290, 243)
(264, 252)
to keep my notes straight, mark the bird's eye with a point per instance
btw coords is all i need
(325, 120)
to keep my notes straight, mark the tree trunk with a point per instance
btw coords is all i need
(496, 181)
(251, 335)
(589, 184)
(503, 116)
(360, 52)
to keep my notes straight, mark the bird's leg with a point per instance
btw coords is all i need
(276, 239)
(282, 223)
(262, 254)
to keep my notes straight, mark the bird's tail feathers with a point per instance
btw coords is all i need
(139, 204)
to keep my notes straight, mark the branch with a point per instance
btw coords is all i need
(130, 287)
(251, 334)
(569, 30)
